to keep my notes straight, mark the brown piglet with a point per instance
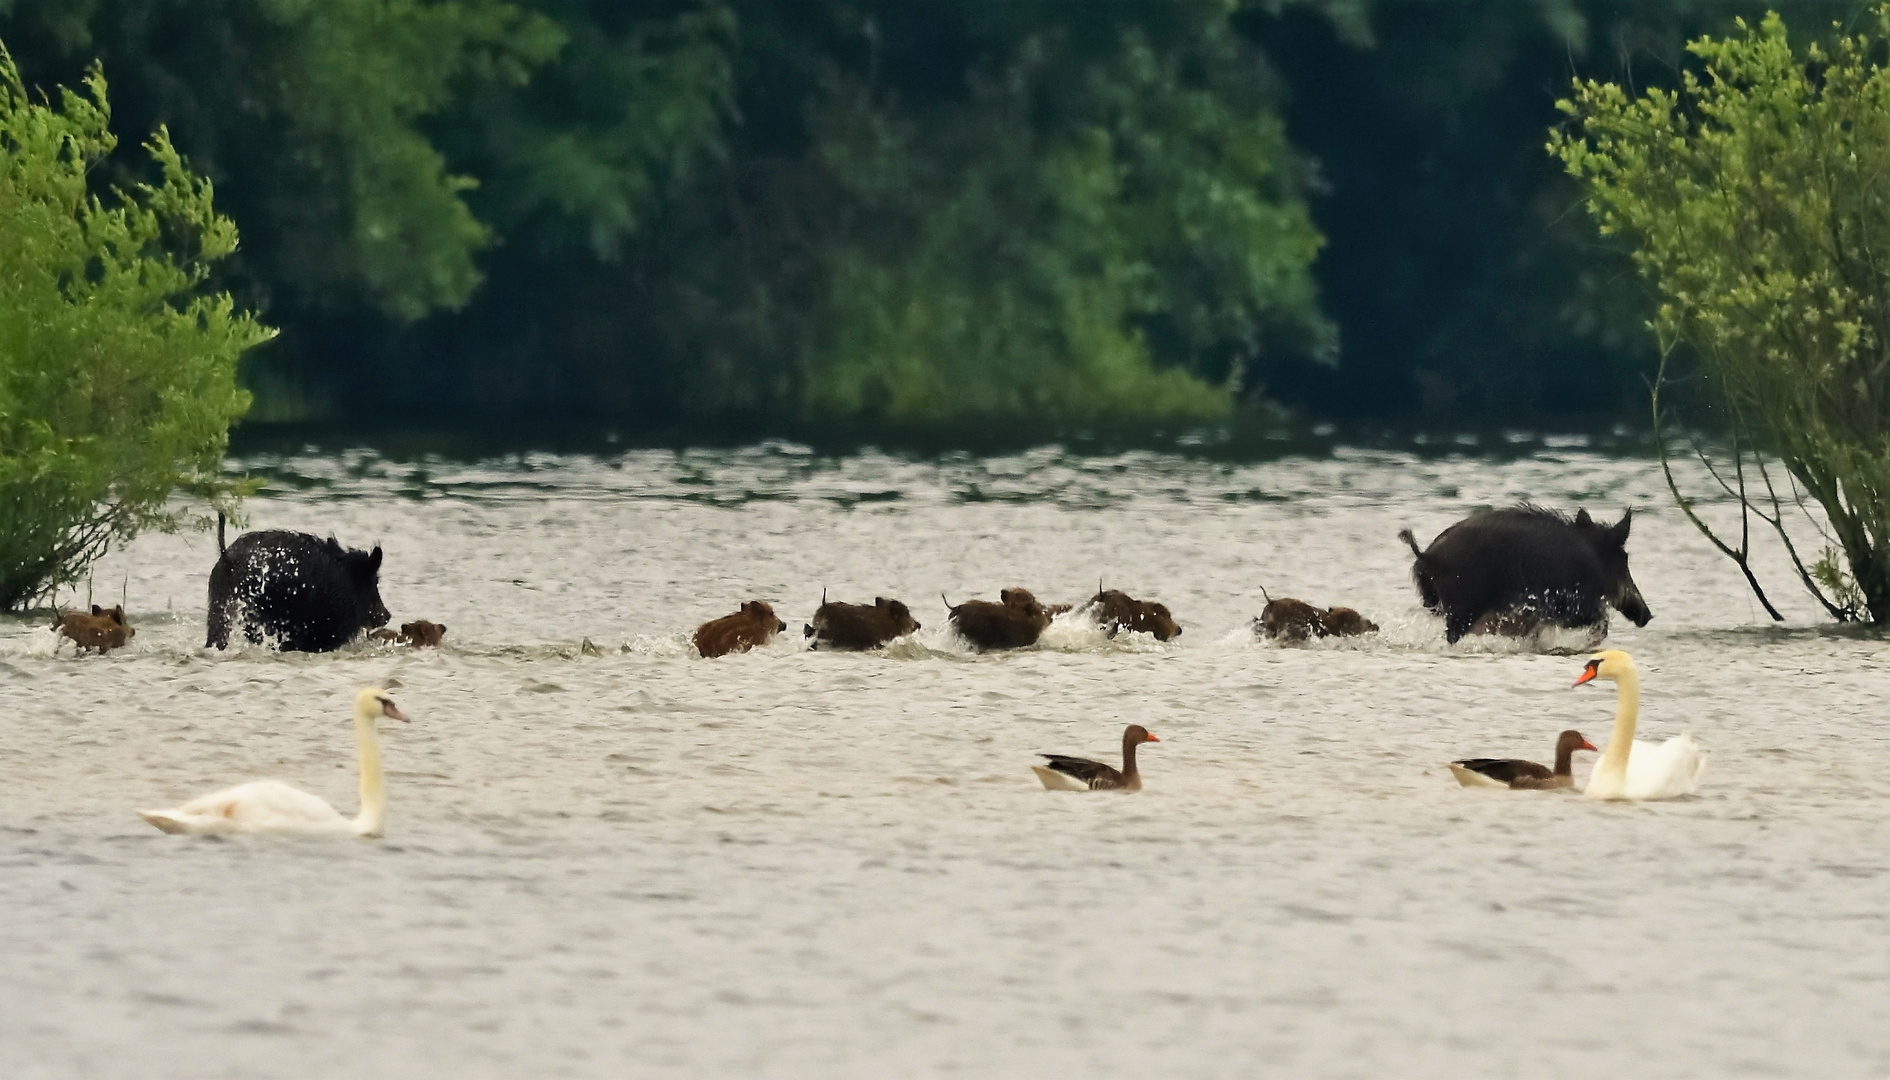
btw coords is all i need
(755, 624)
(858, 626)
(1345, 622)
(1290, 620)
(103, 630)
(1118, 611)
(422, 633)
(1015, 622)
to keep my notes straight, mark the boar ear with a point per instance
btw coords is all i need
(96, 610)
(1620, 530)
(1582, 519)
(374, 560)
(879, 602)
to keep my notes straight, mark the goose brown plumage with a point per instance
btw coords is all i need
(1524, 775)
(1064, 773)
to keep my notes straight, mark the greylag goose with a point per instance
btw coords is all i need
(1521, 775)
(1081, 774)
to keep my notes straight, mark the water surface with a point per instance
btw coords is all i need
(605, 856)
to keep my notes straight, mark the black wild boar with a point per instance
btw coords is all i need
(1116, 611)
(1532, 566)
(857, 626)
(301, 593)
(755, 624)
(1015, 623)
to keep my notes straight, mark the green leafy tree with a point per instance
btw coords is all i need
(1125, 260)
(117, 369)
(1757, 202)
(982, 211)
(311, 116)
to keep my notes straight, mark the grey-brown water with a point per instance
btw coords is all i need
(623, 860)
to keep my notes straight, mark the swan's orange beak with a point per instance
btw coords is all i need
(1152, 738)
(1588, 672)
(1586, 745)
(393, 710)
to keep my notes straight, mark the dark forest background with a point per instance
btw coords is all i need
(753, 214)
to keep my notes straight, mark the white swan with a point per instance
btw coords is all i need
(1638, 770)
(270, 806)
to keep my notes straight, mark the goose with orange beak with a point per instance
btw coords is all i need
(1524, 775)
(1081, 774)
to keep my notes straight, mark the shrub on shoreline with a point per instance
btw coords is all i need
(117, 370)
(1757, 203)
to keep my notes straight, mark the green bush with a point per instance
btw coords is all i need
(1019, 266)
(1758, 203)
(117, 372)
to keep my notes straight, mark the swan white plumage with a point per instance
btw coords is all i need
(270, 806)
(1638, 770)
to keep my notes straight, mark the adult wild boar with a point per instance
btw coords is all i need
(857, 626)
(293, 590)
(1530, 563)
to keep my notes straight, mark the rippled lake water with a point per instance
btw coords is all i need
(605, 856)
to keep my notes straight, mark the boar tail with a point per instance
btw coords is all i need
(1405, 535)
(1263, 592)
(221, 546)
(948, 603)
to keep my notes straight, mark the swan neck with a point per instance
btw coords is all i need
(1627, 712)
(373, 791)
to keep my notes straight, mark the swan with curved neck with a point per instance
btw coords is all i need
(270, 806)
(1637, 770)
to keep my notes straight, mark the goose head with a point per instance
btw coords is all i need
(372, 703)
(1136, 734)
(1609, 664)
(1572, 741)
